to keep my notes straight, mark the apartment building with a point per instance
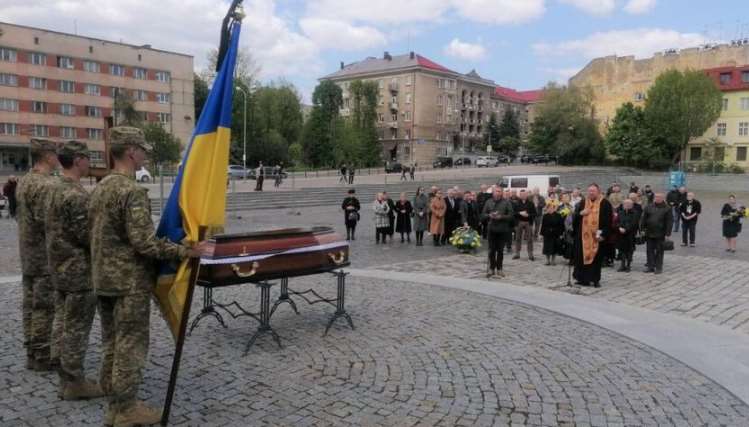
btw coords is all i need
(63, 86)
(426, 110)
(732, 127)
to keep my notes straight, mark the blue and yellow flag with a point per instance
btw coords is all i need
(198, 197)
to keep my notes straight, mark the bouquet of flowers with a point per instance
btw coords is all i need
(465, 239)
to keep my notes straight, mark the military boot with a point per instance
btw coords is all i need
(137, 415)
(41, 365)
(109, 416)
(81, 390)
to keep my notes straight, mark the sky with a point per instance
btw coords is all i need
(522, 44)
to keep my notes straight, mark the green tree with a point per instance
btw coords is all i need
(564, 126)
(509, 126)
(364, 123)
(681, 106)
(510, 145)
(200, 94)
(319, 135)
(492, 134)
(166, 147)
(124, 110)
(628, 138)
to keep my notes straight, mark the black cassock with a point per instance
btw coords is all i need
(591, 273)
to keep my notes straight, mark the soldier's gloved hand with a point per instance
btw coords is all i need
(198, 250)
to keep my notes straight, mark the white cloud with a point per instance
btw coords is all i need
(636, 7)
(333, 34)
(641, 42)
(463, 50)
(500, 11)
(593, 7)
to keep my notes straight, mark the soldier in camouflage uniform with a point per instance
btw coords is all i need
(124, 249)
(70, 269)
(38, 291)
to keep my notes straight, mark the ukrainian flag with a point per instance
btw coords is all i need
(198, 197)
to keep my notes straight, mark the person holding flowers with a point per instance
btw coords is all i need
(552, 228)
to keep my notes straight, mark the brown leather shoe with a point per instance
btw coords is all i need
(81, 390)
(137, 415)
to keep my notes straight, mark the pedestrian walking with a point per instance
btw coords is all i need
(656, 226)
(9, 191)
(351, 208)
(731, 215)
(342, 179)
(499, 216)
(689, 210)
(259, 177)
(404, 170)
(404, 212)
(351, 173)
(437, 210)
(421, 210)
(382, 220)
(278, 175)
(412, 171)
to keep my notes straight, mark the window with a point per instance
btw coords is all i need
(407, 133)
(139, 73)
(408, 80)
(116, 70)
(117, 91)
(65, 62)
(380, 117)
(519, 183)
(639, 96)
(725, 78)
(380, 84)
(37, 83)
(39, 106)
(67, 86)
(439, 99)
(394, 117)
(140, 95)
(695, 153)
(393, 133)
(163, 76)
(96, 156)
(7, 104)
(38, 58)
(740, 154)
(407, 116)
(162, 98)
(67, 109)
(8, 79)
(39, 130)
(9, 55)
(91, 66)
(721, 129)
(67, 132)
(408, 98)
(744, 103)
(92, 89)
(94, 133)
(743, 128)
(725, 104)
(93, 111)
(8, 129)
(439, 117)
(745, 76)
(164, 117)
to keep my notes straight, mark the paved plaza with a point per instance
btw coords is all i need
(423, 354)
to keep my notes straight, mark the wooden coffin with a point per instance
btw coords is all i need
(268, 255)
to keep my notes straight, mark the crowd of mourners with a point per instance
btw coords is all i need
(590, 228)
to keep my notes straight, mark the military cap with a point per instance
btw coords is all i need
(128, 135)
(40, 144)
(74, 148)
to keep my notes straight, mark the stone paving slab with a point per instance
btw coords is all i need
(420, 355)
(712, 290)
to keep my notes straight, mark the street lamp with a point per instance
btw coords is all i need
(244, 131)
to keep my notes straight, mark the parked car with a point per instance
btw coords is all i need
(393, 167)
(143, 175)
(486, 161)
(238, 172)
(502, 160)
(443, 162)
(463, 161)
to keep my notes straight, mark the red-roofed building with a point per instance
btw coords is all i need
(427, 110)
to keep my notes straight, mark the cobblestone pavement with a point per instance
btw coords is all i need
(420, 355)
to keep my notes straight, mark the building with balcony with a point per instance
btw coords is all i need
(63, 86)
(426, 110)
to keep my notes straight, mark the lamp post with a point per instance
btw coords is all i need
(244, 131)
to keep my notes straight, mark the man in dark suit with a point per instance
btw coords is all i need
(452, 215)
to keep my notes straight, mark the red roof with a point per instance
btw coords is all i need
(736, 80)
(525, 97)
(428, 63)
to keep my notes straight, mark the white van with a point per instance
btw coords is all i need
(529, 182)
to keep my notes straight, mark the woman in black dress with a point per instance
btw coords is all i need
(351, 209)
(552, 228)
(731, 223)
(403, 211)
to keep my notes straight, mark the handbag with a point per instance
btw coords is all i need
(668, 245)
(353, 216)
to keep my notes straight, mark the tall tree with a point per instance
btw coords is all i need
(629, 141)
(319, 135)
(564, 126)
(364, 122)
(681, 106)
(200, 94)
(246, 70)
(124, 110)
(166, 147)
(509, 126)
(491, 133)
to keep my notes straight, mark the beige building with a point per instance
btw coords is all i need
(63, 86)
(426, 110)
(617, 80)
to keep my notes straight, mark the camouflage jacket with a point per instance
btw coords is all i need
(66, 228)
(124, 246)
(32, 195)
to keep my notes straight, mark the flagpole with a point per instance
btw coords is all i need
(194, 269)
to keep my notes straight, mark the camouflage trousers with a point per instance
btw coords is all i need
(124, 333)
(38, 308)
(76, 316)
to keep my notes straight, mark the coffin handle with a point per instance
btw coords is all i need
(237, 270)
(339, 259)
